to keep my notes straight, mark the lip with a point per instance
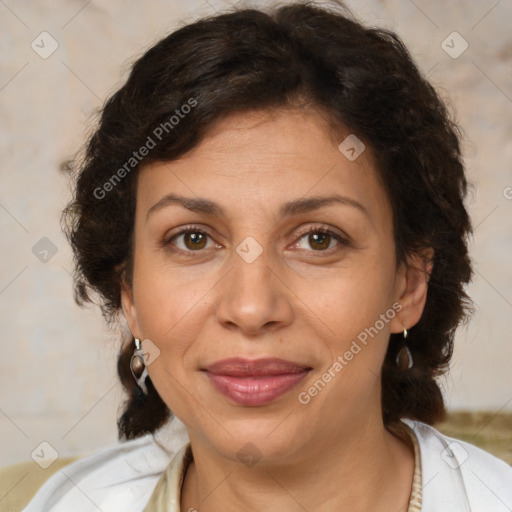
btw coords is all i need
(255, 382)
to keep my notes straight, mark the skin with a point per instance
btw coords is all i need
(301, 300)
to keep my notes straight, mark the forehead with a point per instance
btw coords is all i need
(257, 161)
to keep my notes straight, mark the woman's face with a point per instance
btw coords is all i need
(255, 277)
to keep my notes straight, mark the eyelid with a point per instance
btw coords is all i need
(191, 228)
(323, 228)
(342, 238)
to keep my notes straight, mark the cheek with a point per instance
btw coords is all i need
(354, 310)
(174, 306)
(164, 294)
(350, 298)
(170, 316)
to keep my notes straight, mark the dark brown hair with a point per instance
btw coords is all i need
(294, 55)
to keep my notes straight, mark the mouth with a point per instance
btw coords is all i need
(255, 382)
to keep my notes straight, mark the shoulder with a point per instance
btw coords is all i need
(460, 475)
(122, 477)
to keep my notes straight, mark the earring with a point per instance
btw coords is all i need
(404, 357)
(138, 367)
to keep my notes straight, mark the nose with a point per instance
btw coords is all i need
(253, 298)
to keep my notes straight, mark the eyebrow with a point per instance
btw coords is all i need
(296, 207)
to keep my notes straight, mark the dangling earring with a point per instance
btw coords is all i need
(404, 357)
(138, 367)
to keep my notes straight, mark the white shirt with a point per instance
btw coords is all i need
(456, 476)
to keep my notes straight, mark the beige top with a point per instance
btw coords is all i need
(167, 493)
(416, 497)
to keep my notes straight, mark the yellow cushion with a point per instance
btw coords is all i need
(20, 482)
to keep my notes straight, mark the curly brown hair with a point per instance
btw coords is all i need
(248, 59)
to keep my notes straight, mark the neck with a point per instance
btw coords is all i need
(361, 470)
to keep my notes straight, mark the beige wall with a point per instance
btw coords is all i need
(57, 364)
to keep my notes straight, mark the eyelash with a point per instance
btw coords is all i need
(166, 242)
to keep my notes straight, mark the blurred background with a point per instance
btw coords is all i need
(60, 61)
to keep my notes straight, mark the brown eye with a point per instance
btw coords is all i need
(189, 240)
(319, 241)
(194, 240)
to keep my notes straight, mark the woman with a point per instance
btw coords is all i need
(274, 202)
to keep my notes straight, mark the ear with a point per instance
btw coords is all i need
(411, 289)
(129, 309)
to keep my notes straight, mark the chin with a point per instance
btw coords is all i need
(248, 441)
